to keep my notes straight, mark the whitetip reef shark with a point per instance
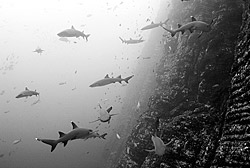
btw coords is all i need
(38, 50)
(26, 93)
(159, 145)
(154, 25)
(131, 41)
(191, 26)
(107, 80)
(73, 33)
(104, 115)
(76, 133)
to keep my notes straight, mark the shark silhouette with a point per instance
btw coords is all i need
(76, 133)
(191, 26)
(159, 146)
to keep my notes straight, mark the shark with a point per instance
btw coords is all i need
(76, 133)
(26, 93)
(154, 25)
(104, 115)
(159, 146)
(73, 33)
(107, 80)
(95, 135)
(131, 41)
(38, 50)
(191, 26)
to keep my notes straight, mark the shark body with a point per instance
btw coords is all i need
(26, 93)
(191, 26)
(131, 41)
(159, 145)
(38, 50)
(76, 133)
(154, 25)
(95, 135)
(107, 80)
(73, 33)
(104, 115)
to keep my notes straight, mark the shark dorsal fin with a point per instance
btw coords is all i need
(193, 18)
(119, 77)
(130, 38)
(107, 76)
(72, 27)
(109, 109)
(140, 38)
(74, 125)
(61, 134)
(179, 25)
(26, 88)
(152, 22)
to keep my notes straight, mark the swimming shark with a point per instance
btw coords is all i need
(131, 41)
(107, 80)
(26, 93)
(38, 50)
(191, 26)
(159, 145)
(95, 135)
(73, 33)
(154, 25)
(104, 115)
(76, 133)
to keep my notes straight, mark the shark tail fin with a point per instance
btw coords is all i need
(126, 79)
(103, 136)
(170, 31)
(86, 36)
(50, 142)
(121, 39)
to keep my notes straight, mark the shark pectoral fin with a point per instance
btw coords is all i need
(148, 150)
(61, 134)
(74, 125)
(112, 115)
(65, 143)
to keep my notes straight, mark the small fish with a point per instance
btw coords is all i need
(16, 141)
(64, 39)
(62, 83)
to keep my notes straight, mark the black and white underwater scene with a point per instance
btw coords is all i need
(124, 83)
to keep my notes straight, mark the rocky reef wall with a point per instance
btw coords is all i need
(201, 102)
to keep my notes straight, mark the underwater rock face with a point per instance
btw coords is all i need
(197, 104)
(234, 148)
